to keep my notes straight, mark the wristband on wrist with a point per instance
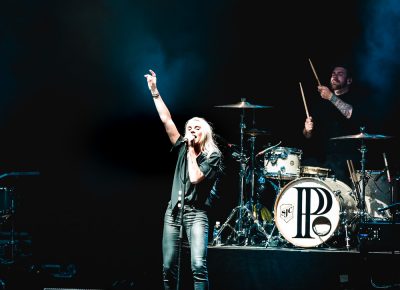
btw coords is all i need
(333, 98)
(155, 95)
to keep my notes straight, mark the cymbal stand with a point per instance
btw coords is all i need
(252, 166)
(12, 243)
(238, 229)
(242, 211)
(363, 150)
(253, 201)
(271, 234)
(242, 174)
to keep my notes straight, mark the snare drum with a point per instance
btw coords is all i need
(309, 211)
(311, 171)
(282, 163)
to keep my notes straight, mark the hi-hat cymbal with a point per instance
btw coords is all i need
(243, 105)
(256, 132)
(362, 135)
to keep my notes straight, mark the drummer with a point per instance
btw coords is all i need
(338, 112)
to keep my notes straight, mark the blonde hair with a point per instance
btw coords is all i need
(207, 142)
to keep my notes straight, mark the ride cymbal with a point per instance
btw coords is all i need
(256, 132)
(362, 135)
(243, 105)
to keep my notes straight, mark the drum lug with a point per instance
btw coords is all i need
(337, 192)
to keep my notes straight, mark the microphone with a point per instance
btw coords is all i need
(386, 167)
(186, 139)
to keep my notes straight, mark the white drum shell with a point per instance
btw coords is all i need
(313, 222)
(282, 163)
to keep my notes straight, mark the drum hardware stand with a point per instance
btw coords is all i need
(226, 224)
(12, 243)
(270, 236)
(252, 195)
(243, 104)
(363, 150)
(253, 201)
(347, 236)
(242, 174)
(278, 190)
(360, 190)
(243, 211)
(239, 209)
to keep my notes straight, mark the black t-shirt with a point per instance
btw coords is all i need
(321, 150)
(199, 195)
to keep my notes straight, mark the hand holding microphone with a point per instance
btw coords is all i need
(189, 139)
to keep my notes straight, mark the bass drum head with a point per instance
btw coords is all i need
(307, 212)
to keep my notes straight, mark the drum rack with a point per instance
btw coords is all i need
(9, 217)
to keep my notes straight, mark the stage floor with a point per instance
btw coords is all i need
(234, 267)
(230, 268)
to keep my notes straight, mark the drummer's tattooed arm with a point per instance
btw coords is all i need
(344, 108)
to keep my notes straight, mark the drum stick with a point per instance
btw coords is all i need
(353, 171)
(353, 176)
(357, 182)
(304, 100)
(315, 74)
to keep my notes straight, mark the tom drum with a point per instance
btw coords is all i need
(282, 163)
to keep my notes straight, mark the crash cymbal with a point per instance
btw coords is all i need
(362, 135)
(243, 105)
(256, 132)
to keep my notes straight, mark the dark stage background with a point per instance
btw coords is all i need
(75, 107)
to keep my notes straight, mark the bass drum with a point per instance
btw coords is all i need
(310, 211)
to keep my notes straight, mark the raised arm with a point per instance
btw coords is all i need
(343, 107)
(162, 109)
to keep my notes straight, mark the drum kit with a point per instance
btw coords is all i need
(311, 208)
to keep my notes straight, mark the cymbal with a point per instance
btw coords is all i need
(256, 132)
(243, 105)
(362, 135)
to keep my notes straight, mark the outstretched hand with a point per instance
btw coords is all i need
(152, 82)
